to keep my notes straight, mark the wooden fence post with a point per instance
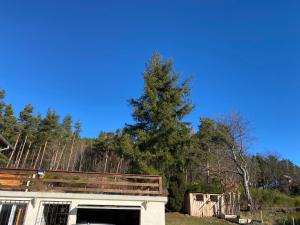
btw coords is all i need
(293, 220)
(160, 185)
(261, 217)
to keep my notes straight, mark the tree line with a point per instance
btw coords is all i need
(213, 158)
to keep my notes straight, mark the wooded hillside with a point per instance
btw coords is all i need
(213, 158)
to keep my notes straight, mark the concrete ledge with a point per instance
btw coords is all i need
(225, 216)
(60, 195)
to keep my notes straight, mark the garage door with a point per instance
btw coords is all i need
(112, 215)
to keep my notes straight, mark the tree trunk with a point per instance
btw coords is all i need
(32, 159)
(105, 164)
(60, 157)
(53, 162)
(207, 172)
(13, 152)
(26, 156)
(38, 155)
(71, 151)
(247, 190)
(21, 153)
(41, 163)
(80, 162)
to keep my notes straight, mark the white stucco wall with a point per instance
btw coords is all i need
(152, 207)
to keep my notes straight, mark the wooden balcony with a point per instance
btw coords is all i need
(80, 182)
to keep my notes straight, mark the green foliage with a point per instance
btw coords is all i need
(270, 168)
(126, 147)
(297, 202)
(272, 198)
(161, 137)
(77, 129)
(28, 122)
(105, 143)
(10, 126)
(50, 127)
(204, 187)
(159, 133)
(32, 131)
(159, 142)
(65, 177)
(295, 189)
(289, 219)
(108, 146)
(67, 127)
(177, 188)
(59, 176)
(3, 160)
(183, 219)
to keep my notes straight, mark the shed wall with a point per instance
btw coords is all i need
(204, 207)
(209, 205)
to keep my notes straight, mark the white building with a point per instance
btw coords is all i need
(21, 204)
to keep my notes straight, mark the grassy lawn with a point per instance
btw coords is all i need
(274, 218)
(270, 218)
(181, 219)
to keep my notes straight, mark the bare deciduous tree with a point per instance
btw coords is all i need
(236, 134)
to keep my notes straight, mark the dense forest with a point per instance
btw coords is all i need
(214, 157)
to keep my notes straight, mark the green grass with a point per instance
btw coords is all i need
(270, 218)
(182, 219)
(274, 217)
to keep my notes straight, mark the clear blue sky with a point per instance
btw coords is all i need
(87, 58)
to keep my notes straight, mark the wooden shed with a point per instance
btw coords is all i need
(209, 205)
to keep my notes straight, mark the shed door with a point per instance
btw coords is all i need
(214, 205)
(108, 215)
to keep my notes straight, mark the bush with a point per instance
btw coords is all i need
(297, 203)
(289, 219)
(273, 198)
(65, 177)
(295, 189)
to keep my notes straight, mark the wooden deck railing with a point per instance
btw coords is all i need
(80, 182)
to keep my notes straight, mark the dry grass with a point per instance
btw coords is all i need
(270, 218)
(182, 219)
(274, 217)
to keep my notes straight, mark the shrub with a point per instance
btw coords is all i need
(297, 202)
(273, 198)
(289, 219)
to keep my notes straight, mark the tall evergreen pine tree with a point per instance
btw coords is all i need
(159, 132)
